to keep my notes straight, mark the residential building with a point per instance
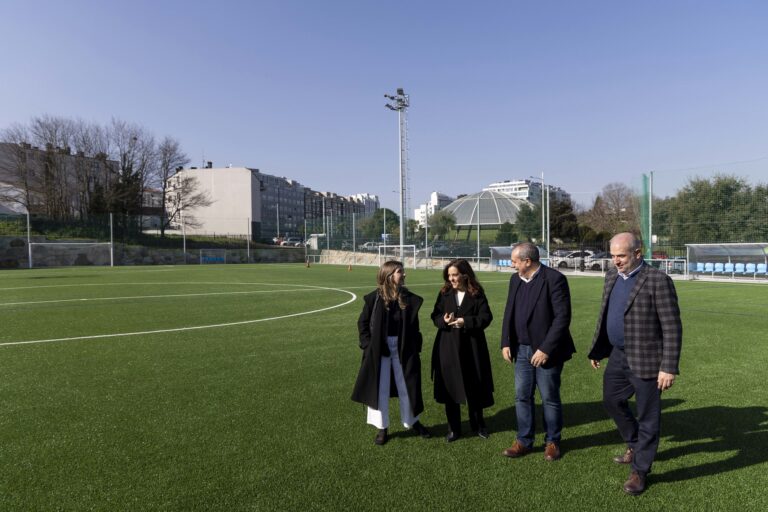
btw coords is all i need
(244, 199)
(437, 202)
(53, 181)
(235, 195)
(528, 190)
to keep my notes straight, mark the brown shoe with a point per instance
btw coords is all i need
(516, 450)
(635, 484)
(551, 452)
(625, 458)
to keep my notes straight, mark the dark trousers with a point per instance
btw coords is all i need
(453, 414)
(641, 433)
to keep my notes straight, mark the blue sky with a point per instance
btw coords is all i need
(587, 92)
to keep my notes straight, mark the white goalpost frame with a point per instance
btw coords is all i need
(212, 252)
(71, 244)
(409, 251)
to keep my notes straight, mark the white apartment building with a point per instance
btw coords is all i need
(235, 194)
(437, 202)
(528, 190)
(370, 202)
(246, 201)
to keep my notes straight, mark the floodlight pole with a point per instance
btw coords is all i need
(426, 236)
(650, 215)
(478, 230)
(544, 214)
(543, 218)
(384, 228)
(400, 104)
(29, 240)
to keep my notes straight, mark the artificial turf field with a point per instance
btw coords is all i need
(218, 388)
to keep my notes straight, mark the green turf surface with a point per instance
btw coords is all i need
(207, 404)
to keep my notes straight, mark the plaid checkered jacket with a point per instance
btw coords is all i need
(653, 332)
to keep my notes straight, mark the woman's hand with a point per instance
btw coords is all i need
(456, 323)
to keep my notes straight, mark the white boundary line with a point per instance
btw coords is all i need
(192, 328)
(172, 296)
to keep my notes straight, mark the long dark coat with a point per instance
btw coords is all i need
(461, 366)
(373, 335)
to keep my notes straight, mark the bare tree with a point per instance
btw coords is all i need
(615, 209)
(171, 159)
(183, 196)
(18, 182)
(135, 150)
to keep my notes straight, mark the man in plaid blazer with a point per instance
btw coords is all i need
(639, 329)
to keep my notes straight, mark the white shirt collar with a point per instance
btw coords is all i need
(532, 275)
(635, 271)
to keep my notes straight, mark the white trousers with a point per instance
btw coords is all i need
(379, 418)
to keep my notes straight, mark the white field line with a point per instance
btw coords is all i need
(152, 283)
(194, 327)
(174, 296)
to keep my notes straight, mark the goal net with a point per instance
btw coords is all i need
(67, 254)
(213, 256)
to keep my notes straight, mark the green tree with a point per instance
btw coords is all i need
(442, 222)
(563, 221)
(505, 235)
(528, 223)
(372, 226)
(716, 210)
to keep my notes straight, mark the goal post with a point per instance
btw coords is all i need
(392, 252)
(65, 254)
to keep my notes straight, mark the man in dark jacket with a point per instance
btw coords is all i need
(639, 327)
(535, 335)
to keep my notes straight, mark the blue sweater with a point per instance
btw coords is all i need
(617, 303)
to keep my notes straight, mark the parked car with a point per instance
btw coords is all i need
(368, 246)
(592, 260)
(292, 241)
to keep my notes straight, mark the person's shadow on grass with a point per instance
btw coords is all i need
(574, 414)
(713, 430)
(740, 431)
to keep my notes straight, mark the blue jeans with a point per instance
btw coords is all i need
(527, 379)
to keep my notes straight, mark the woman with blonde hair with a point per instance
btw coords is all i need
(461, 366)
(391, 342)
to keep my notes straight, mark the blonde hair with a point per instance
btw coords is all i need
(388, 290)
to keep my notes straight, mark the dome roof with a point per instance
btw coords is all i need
(495, 208)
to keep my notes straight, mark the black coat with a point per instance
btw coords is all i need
(372, 328)
(549, 319)
(461, 366)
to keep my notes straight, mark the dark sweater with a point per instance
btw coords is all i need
(617, 304)
(523, 305)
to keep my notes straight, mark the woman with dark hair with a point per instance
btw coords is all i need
(461, 366)
(391, 342)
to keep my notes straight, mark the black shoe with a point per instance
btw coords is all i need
(452, 436)
(483, 432)
(381, 437)
(421, 430)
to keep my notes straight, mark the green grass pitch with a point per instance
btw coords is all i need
(227, 388)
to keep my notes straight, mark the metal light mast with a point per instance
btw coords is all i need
(400, 104)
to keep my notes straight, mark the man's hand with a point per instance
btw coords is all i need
(595, 363)
(665, 380)
(506, 353)
(539, 358)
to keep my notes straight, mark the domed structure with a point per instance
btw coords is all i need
(496, 208)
